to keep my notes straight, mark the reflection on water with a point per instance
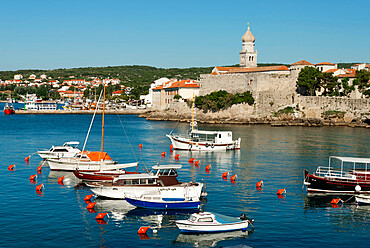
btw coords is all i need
(209, 239)
(69, 180)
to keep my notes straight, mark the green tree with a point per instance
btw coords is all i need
(43, 92)
(330, 84)
(363, 78)
(346, 88)
(308, 82)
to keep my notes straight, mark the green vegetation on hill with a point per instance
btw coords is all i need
(221, 99)
(130, 76)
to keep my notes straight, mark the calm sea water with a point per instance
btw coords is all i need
(278, 156)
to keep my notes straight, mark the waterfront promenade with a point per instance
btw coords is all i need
(82, 112)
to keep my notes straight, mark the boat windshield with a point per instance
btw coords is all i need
(193, 218)
(164, 172)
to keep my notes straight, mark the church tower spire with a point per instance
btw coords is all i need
(248, 56)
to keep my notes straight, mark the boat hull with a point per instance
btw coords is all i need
(316, 184)
(72, 165)
(188, 227)
(120, 192)
(182, 204)
(9, 111)
(186, 144)
(363, 199)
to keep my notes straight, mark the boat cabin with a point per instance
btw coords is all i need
(218, 137)
(167, 174)
(346, 168)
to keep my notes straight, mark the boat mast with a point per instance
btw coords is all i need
(192, 114)
(102, 126)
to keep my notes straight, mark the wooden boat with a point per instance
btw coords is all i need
(362, 199)
(67, 150)
(161, 180)
(345, 175)
(200, 140)
(103, 175)
(208, 222)
(159, 202)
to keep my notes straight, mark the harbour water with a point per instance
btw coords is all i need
(278, 156)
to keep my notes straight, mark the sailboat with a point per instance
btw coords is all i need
(89, 161)
(201, 140)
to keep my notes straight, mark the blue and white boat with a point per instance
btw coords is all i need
(207, 222)
(159, 202)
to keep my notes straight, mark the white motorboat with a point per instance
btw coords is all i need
(161, 180)
(363, 199)
(208, 222)
(67, 150)
(200, 140)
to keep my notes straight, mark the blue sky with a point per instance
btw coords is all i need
(52, 34)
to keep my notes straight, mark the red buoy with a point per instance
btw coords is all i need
(171, 146)
(140, 146)
(336, 201)
(208, 167)
(191, 160)
(163, 154)
(197, 163)
(60, 180)
(33, 177)
(259, 184)
(40, 187)
(224, 175)
(232, 178)
(100, 216)
(281, 191)
(177, 156)
(91, 205)
(27, 159)
(11, 167)
(39, 168)
(143, 229)
(88, 197)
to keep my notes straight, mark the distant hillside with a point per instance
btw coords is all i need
(129, 75)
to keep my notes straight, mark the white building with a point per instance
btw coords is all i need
(163, 95)
(325, 66)
(18, 77)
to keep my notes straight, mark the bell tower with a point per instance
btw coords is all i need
(248, 56)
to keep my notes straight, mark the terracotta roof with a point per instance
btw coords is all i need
(179, 84)
(325, 63)
(349, 75)
(331, 70)
(302, 62)
(258, 69)
(117, 92)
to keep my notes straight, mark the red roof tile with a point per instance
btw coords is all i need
(302, 62)
(258, 69)
(325, 63)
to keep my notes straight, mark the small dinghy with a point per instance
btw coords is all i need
(207, 222)
(363, 199)
(159, 202)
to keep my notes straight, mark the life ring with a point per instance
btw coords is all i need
(206, 145)
(213, 146)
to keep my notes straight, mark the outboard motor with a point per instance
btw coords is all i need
(243, 217)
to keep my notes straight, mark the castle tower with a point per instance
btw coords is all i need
(248, 56)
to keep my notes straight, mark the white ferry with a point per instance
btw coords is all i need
(40, 105)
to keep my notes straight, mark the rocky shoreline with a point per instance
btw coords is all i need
(280, 121)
